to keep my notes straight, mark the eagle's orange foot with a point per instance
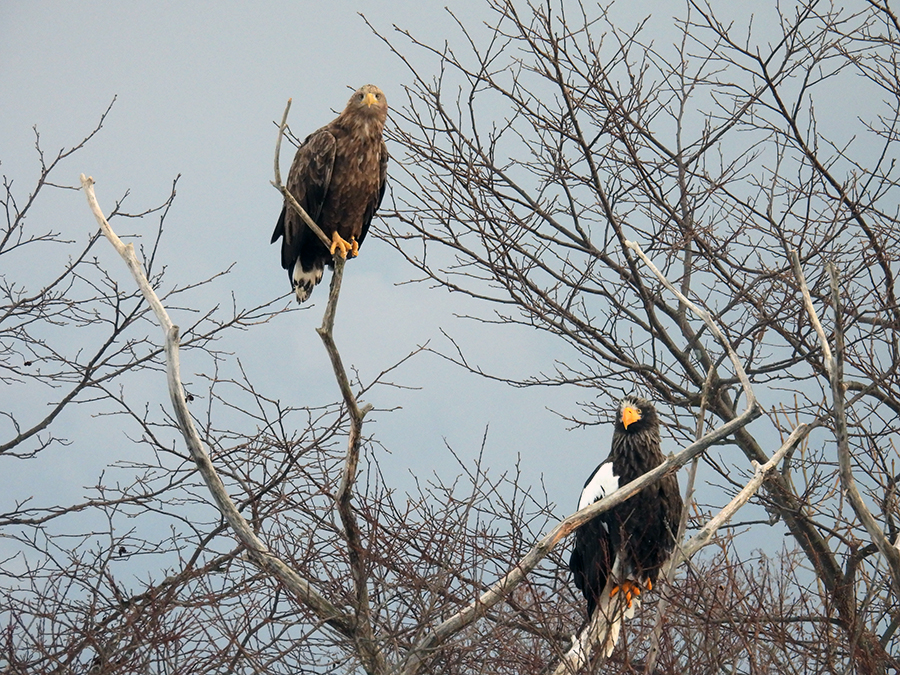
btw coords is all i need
(630, 590)
(339, 244)
(354, 247)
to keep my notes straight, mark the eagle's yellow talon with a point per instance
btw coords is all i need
(629, 589)
(339, 244)
(354, 247)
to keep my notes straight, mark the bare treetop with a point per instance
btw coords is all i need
(700, 210)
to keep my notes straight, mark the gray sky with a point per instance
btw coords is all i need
(199, 86)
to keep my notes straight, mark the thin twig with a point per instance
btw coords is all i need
(281, 128)
(707, 319)
(288, 197)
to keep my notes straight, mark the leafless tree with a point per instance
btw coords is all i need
(743, 154)
(700, 222)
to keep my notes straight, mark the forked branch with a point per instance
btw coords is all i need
(346, 624)
(834, 367)
(367, 645)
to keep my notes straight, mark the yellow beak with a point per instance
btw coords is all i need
(630, 415)
(370, 99)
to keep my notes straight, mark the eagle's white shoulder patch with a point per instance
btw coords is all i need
(602, 483)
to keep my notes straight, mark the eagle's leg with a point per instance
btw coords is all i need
(337, 243)
(630, 590)
(354, 247)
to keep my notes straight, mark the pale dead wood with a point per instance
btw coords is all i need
(890, 553)
(257, 552)
(827, 357)
(707, 319)
(834, 367)
(761, 472)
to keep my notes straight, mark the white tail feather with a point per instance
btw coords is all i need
(304, 281)
(603, 630)
(606, 624)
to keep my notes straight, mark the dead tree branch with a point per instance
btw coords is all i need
(256, 550)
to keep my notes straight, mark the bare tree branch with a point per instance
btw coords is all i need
(256, 549)
(888, 551)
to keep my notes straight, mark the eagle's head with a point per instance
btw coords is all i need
(369, 101)
(635, 414)
(636, 434)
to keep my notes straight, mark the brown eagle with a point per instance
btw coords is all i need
(338, 177)
(627, 545)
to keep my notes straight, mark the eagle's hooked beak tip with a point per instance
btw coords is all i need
(630, 415)
(370, 100)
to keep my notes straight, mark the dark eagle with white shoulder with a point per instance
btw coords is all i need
(338, 177)
(627, 546)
